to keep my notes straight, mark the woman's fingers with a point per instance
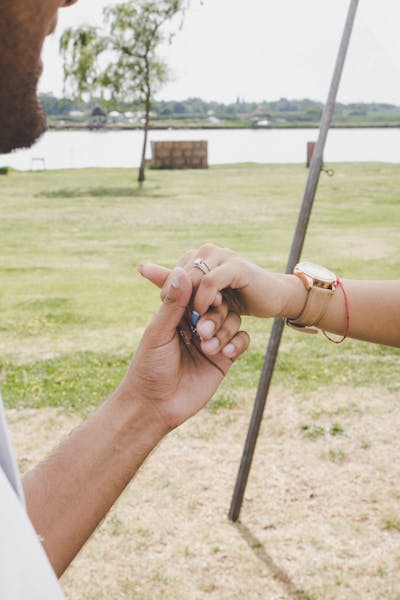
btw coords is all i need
(219, 332)
(221, 335)
(212, 271)
(155, 273)
(237, 345)
(247, 288)
(212, 284)
(199, 264)
(212, 321)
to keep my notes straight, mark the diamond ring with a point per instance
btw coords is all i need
(201, 264)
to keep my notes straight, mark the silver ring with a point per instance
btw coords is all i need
(201, 264)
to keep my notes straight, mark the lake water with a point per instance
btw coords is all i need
(75, 149)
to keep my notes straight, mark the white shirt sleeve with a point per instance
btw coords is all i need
(25, 571)
(7, 459)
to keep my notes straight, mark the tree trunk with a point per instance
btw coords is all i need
(141, 176)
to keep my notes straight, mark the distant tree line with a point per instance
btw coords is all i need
(57, 106)
(276, 111)
(290, 110)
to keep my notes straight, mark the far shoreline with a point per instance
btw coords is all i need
(125, 127)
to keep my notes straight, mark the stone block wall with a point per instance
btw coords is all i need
(179, 155)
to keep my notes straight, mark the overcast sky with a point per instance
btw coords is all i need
(266, 49)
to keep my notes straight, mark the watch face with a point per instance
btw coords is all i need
(321, 276)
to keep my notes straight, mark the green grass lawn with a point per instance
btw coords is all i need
(73, 307)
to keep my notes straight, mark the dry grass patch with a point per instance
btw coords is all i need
(311, 527)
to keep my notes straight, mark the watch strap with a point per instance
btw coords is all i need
(313, 310)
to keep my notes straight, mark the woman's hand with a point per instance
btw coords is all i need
(246, 288)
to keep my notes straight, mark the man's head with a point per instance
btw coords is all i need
(24, 25)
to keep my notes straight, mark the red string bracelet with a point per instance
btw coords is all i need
(339, 283)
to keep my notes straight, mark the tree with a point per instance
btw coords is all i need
(120, 63)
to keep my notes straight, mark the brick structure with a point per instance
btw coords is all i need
(179, 155)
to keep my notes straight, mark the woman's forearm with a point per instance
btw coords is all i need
(374, 309)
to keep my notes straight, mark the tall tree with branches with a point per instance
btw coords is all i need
(120, 62)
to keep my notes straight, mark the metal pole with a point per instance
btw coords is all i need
(294, 257)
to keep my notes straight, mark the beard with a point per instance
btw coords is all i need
(22, 118)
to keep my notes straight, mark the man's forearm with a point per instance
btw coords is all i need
(70, 492)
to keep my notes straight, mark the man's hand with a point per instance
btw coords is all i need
(171, 370)
(169, 379)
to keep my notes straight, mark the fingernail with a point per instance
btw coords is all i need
(229, 350)
(207, 329)
(211, 345)
(195, 318)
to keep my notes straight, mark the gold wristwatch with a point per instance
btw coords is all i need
(320, 284)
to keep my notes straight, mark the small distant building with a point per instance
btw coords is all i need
(98, 117)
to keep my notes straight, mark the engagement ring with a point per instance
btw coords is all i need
(201, 264)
